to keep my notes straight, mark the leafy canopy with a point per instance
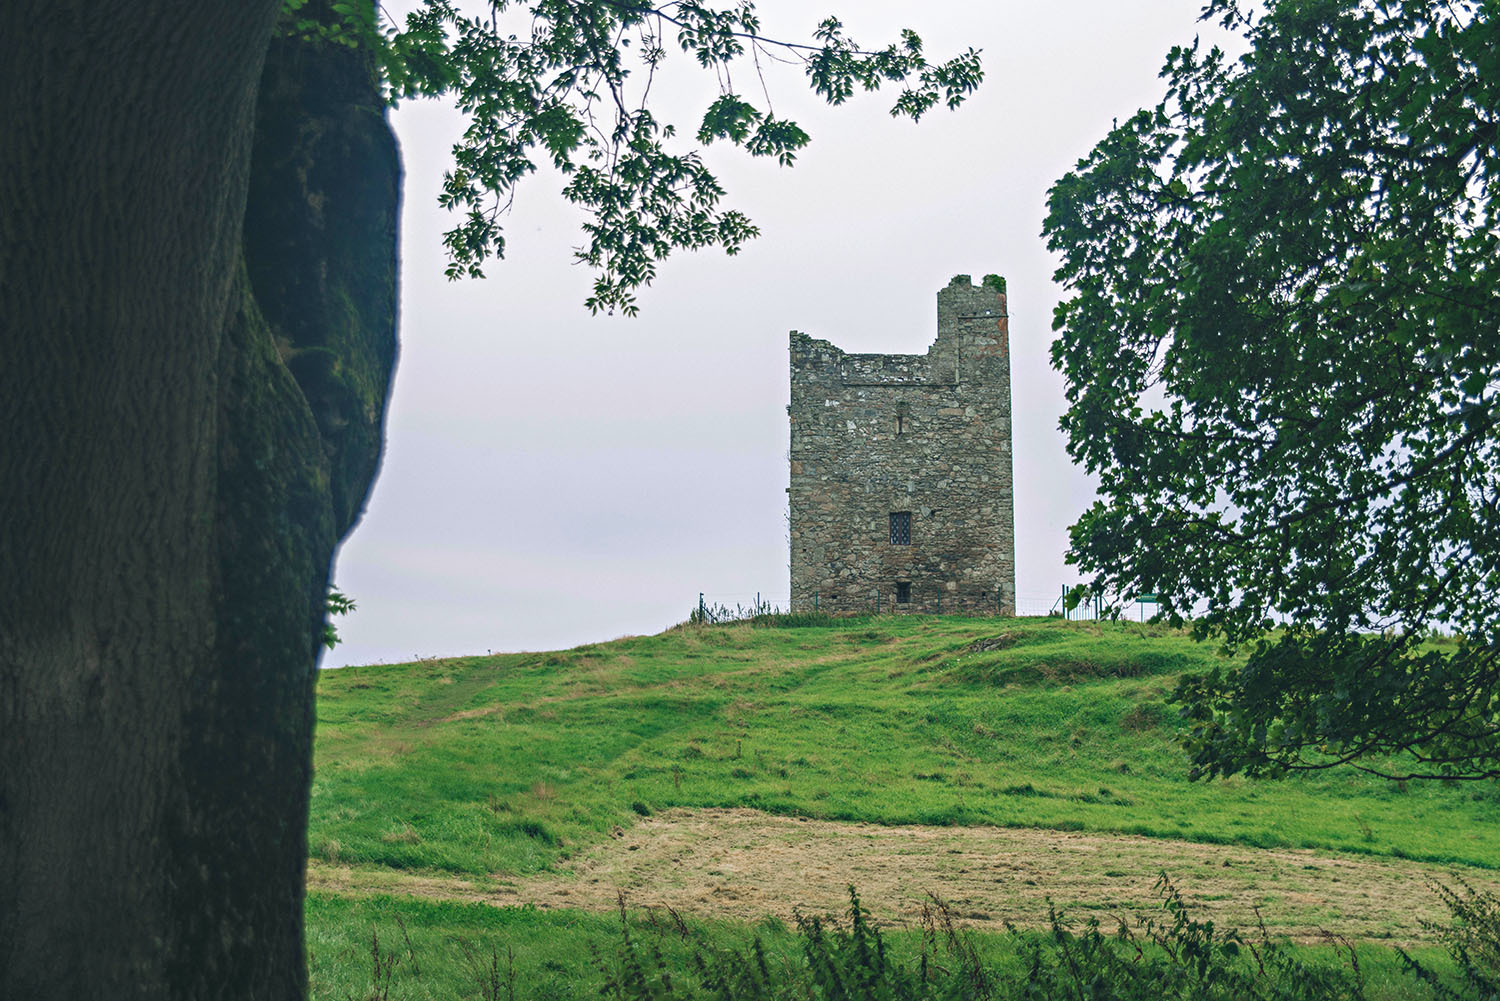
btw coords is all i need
(570, 81)
(1282, 350)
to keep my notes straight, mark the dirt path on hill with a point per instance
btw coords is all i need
(743, 864)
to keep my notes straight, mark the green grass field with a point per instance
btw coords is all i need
(491, 768)
(506, 764)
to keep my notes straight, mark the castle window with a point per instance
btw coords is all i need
(903, 592)
(900, 528)
(903, 418)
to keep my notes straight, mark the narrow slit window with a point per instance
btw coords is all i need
(903, 592)
(900, 528)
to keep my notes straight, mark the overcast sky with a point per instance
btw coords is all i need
(553, 478)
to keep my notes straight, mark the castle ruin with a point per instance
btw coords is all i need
(900, 494)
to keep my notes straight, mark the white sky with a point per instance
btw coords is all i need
(554, 478)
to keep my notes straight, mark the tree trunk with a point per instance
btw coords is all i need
(178, 463)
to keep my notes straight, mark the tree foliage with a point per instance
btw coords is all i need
(1282, 349)
(569, 82)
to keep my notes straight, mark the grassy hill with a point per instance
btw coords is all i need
(508, 764)
(442, 780)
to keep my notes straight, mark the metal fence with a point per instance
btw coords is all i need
(730, 606)
(1090, 608)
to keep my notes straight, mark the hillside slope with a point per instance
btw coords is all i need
(503, 766)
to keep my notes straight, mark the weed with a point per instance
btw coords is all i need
(1177, 958)
(411, 952)
(1472, 940)
(487, 972)
(850, 960)
(382, 968)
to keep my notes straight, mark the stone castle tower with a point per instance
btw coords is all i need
(901, 468)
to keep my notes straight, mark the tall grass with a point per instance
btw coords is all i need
(430, 951)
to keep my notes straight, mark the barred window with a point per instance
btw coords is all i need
(900, 528)
(903, 592)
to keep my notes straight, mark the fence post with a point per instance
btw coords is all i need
(815, 603)
(877, 601)
(700, 608)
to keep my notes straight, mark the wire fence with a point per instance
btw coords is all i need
(1090, 608)
(714, 608)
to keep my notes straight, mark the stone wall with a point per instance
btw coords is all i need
(926, 435)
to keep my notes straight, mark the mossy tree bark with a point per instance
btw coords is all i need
(197, 297)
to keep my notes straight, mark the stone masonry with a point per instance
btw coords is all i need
(901, 468)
